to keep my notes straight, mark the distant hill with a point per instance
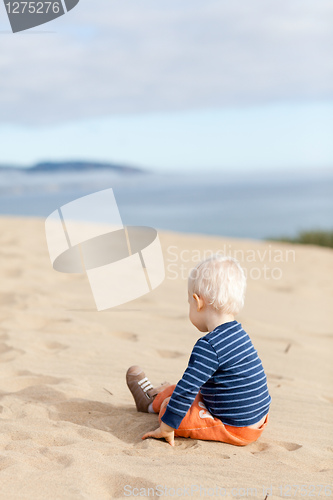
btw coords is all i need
(74, 166)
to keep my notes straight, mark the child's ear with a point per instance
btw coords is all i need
(199, 301)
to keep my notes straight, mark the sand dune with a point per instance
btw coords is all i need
(68, 426)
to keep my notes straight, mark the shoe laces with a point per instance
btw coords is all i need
(145, 384)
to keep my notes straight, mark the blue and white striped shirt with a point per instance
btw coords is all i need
(227, 370)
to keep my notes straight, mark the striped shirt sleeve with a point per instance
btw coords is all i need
(202, 365)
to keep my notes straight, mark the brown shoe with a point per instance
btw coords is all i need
(141, 388)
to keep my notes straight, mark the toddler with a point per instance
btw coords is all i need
(223, 394)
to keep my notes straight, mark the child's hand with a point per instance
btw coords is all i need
(164, 431)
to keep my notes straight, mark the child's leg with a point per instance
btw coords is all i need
(198, 423)
(159, 390)
(159, 399)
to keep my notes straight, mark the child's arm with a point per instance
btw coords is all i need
(164, 431)
(203, 363)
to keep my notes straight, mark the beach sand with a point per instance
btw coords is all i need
(68, 426)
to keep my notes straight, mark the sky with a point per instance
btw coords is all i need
(172, 85)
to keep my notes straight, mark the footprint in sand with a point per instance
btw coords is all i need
(164, 353)
(151, 443)
(20, 436)
(55, 346)
(94, 435)
(7, 299)
(8, 353)
(186, 444)
(4, 348)
(25, 380)
(260, 447)
(120, 485)
(126, 336)
(13, 273)
(91, 414)
(60, 459)
(51, 439)
(5, 462)
(290, 446)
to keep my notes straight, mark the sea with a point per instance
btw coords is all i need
(257, 205)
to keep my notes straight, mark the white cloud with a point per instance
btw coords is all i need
(109, 57)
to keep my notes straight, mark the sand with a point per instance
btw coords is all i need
(68, 426)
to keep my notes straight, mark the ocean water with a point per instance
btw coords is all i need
(245, 206)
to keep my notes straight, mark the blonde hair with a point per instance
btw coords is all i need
(221, 281)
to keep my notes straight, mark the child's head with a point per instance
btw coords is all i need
(217, 284)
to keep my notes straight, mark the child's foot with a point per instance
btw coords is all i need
(142, 390)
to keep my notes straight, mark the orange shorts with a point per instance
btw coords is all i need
(198, 423)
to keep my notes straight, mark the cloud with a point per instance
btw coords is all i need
(109, 57)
